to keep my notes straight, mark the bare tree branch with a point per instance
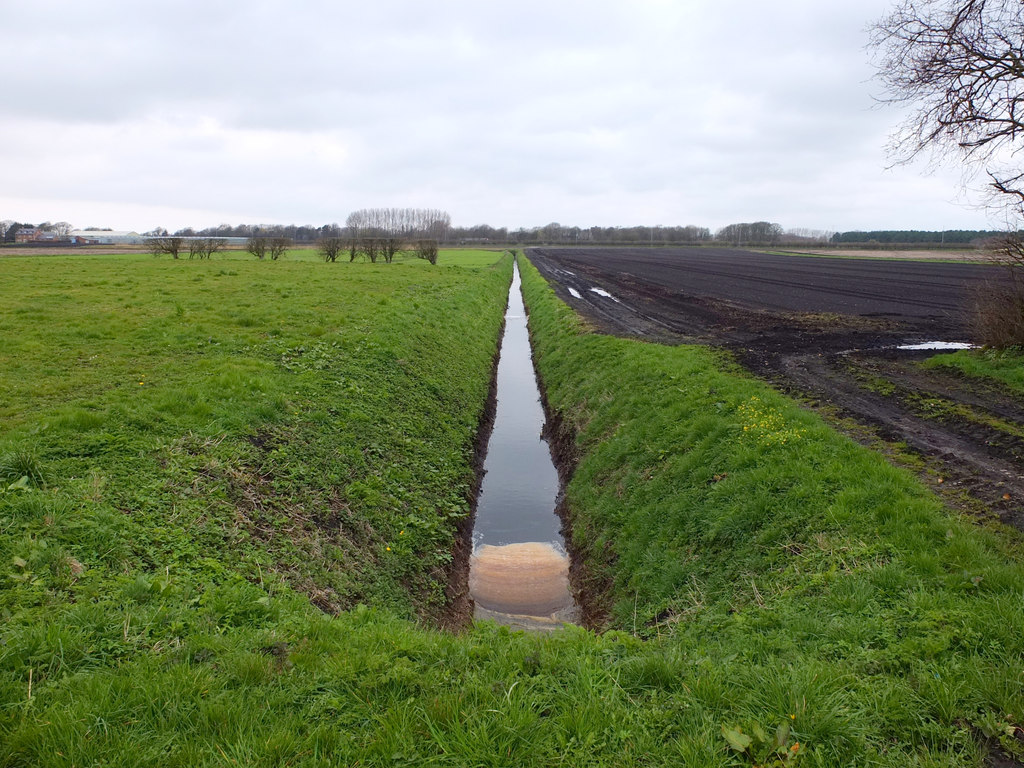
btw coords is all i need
(960, 64)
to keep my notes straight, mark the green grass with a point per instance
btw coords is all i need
(1003, 367)
(462, 257)
(302, 437)
(292, 416)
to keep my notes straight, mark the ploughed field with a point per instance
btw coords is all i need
(827, 329)
(679, 287)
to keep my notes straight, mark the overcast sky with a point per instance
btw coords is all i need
(170, 113)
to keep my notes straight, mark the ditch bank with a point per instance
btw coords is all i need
(457, 613)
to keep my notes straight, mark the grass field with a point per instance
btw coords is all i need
(203, 461)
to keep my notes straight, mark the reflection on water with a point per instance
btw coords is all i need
(939, 345)
(525, 585)
(520, 485)
(519, 570)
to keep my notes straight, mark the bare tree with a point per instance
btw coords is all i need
(257, 246)
(426, 249)
(960, 65)
(170, 246)
(370, 247)
(63, 230)
(330, 247)
(278, 246)
(204, 247)
(384, 232)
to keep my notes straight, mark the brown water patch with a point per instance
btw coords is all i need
(524, 585)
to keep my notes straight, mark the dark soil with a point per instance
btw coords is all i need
(825, 330)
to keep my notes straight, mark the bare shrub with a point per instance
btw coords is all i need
(204, 247)
(330, 247)
(171, 246)
(426, 249)
(371, 248)
(389, 246)
(278, 247)
(998, 312)
(257, 246)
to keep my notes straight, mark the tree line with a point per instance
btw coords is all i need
(918, 237)
(380, 233)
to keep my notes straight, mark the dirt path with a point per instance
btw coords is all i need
(825, 330)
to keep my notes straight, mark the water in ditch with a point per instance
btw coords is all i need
(519, 572)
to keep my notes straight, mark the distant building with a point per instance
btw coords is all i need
(106, 237)
(26, 235)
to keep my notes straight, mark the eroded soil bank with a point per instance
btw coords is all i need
(831, 345)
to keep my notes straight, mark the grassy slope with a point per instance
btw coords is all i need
(737, 524)
(1003, 366)
(247, 411)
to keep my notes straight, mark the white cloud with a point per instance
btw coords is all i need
(652, 111)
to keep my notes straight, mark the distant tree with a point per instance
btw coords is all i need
(5, 226)
(370, 247)
(257, 246)
(383, 232)
(63, 230)
(426, 249)
(551, 233)
(960, 65)
(762, 232)
(12, 231)
(330, 247)
(204, 247)
(169, 246)
(278, 247)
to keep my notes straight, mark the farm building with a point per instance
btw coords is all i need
(28, 235)
(106, 237)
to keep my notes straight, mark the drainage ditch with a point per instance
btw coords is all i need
(519, 569)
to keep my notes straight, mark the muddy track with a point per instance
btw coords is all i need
(824, 330)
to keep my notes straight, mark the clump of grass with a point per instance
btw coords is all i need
(21, 463)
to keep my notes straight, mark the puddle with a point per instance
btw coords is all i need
(939, 345)
(519, 570)
(575, 294)
(602, 292)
